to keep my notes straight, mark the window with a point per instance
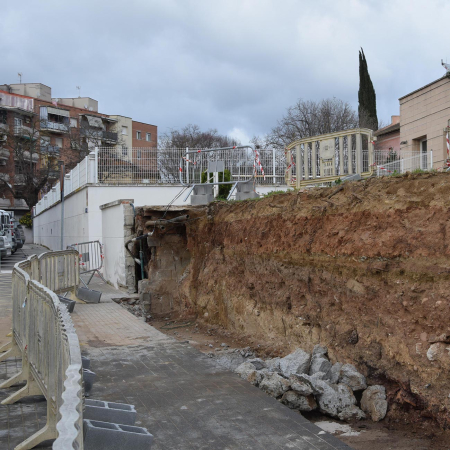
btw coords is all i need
(18, 122)
(138, 135)
(139, 154)
(45, 141)
(124, 130)
(124, 151)
(59, 142)
(148, 137)
(73, 122)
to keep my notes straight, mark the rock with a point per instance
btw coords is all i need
(296, 401)
(351, 413)
(335, 398)
(335, 372)
(274, 384)
(319, 350)
(296, 363)
(248, 372)
(258, 363)
(352, 378)
(273, 364)
(320, 363)
(230, 360)
(436, 351)
(313, 383)
(223, 344)
(132, 301)
(300, 385)
(374, 402)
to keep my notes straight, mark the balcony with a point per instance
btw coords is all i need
(25, 132)
(19, 180)
(55, 127)
(51, 150)
(26, 156)
(109, 136)
(4, 129)
(4, 154)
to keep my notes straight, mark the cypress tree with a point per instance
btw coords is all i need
(367, 101)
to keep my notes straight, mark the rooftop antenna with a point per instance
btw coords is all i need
(79, 90)
(20, 77)
(446, 66)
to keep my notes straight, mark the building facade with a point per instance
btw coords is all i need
(425, 120)
(37, 131)
(388, 139)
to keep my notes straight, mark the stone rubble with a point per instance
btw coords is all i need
(308, 382)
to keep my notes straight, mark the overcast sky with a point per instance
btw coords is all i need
(234, 65)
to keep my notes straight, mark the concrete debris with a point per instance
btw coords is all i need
(351, 413)
(436, 351)
(296, 363)
(335, 372)
(273, 364)
(320, 363)
(308, 382)
(248, 372)
(301, 385)
(374, 402)
(335, 398)
(352, 378)
(274, 384)
(296, 401)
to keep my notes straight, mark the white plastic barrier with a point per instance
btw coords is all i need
(45, 339)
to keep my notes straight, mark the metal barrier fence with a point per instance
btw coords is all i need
(90, 258)
(420, 161)
(323, 159)
(45, 339)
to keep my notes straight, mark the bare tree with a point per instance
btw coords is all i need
(310, 118)
(191, 136)
(32, 166)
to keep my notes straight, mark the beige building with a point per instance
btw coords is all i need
(425, 120)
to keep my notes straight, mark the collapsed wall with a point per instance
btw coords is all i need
(363, 269)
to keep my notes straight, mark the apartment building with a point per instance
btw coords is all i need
(40, 130)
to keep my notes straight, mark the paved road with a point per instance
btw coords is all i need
(7, 264)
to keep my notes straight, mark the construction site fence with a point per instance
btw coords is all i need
(45, 339)
(419, 161)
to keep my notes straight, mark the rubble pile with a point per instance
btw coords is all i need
(308, 382)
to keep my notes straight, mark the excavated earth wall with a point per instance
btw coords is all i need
(365, 271)
(363, 268)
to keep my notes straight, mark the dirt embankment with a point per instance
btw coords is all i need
(365, 271)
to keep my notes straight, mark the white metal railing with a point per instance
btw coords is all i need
(419, 161)
(45, 339)
(153, 166)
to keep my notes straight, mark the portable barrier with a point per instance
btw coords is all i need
(45, 339)
(90, 258)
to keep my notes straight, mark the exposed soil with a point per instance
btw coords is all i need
(363, 269)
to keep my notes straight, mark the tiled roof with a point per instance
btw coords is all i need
(389, 129)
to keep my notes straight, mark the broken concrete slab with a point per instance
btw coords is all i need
(109, 412)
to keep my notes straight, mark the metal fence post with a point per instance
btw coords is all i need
(274, 166)
(431, 159)
(96, 165)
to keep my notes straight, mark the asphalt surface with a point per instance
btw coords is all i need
(7, 264)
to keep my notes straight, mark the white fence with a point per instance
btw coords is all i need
(152, 166)
(45, 339)
(419, 161)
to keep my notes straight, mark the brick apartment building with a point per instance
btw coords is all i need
(47, 130)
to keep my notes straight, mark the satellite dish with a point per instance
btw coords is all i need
(85, 106)
(91, 108)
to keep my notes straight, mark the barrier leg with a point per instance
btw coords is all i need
(5, 347)
(44, 434)
(18, 378)
(31, 388)
(13, 351)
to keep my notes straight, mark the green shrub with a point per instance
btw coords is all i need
(26, 220)
(224, 189)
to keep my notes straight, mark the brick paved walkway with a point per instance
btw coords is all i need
(182, 397)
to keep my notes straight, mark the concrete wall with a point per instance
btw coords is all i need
(117, 222)
(424, 115)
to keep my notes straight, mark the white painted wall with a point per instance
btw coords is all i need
(113, 244)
